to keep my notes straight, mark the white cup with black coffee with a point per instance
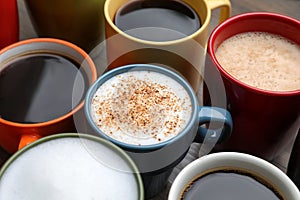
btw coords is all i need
(232, 175)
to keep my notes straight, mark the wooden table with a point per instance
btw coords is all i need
(287, 7)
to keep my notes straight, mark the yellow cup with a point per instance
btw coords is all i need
(186, 55)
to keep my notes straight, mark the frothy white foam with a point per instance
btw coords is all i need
(141, 107)
(262, 60)
(64, 169)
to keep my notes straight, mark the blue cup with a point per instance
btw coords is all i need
(156, 161)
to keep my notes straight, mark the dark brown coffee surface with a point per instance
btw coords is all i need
(40, 87)
(229, 185)
(157, 20)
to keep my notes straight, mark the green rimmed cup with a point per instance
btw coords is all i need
(70, 166)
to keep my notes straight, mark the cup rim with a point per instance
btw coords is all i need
(168, 72)
(234, 19)
(86, 57)
(157, 43)
(104, 142)
(225, 159)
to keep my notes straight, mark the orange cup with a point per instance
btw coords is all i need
(15, 135)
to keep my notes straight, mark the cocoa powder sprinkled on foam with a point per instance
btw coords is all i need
(140, 109)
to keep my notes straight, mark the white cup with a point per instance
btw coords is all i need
(232, 160)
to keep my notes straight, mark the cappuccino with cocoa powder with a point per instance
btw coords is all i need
(262, 60)
(141, 107)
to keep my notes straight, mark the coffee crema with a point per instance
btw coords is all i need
(157, 20)
(69, 169)
(262, 60)
(141, 107)
(233, 184)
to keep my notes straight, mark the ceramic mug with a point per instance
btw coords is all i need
(16, 132)
(79, 22)
(157, 159)
(234, 171)
(185, 54)
(266, 121)
(9, 22)
(70, 166)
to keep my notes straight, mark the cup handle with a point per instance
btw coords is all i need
(213, 115)
(27, 139)
(224, 5)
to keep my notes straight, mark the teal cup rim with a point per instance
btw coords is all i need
(102, 141)
(141, 67)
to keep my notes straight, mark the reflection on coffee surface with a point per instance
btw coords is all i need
(40, 87)
(157, 20)
(141, 107)
(230, 184)
(262, 60)
(68, 169)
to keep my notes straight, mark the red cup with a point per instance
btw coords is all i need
(9, 22)
(265, 122)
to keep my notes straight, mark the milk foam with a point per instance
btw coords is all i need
(64, 169)
(141, 107)
(262, 60)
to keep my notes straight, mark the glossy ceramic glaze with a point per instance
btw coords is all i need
(265, 170)
(186, 55)
(16, 135)
(265, 122)
(156, 161)
(88, 143)
(9, 22)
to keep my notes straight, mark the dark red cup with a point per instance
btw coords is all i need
(265, 122)
(9, 22)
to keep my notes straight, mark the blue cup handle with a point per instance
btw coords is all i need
(214, 116)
